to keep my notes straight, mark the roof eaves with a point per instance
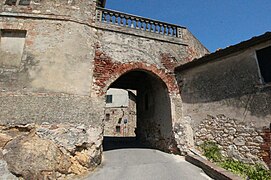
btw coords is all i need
(224, 52)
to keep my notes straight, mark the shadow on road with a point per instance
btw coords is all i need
(112, 143)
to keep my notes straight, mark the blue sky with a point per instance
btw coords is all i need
(216, 23)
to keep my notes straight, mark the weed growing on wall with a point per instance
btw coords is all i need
(251, 172)
(211, 151)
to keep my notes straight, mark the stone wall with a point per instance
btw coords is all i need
(237, 140)
(226, 102)
(53, 80)
(50, 88)
(69, 61)
(77, 10)
(266, 146)
(120, 113)
(52, 48)
(127, 48)
(49, 151)
(229, 85)
(117, 117)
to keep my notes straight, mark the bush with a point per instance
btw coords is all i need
(258, 172)
(251, 172)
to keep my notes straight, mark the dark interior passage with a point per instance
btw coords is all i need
(153, 111)
(111, 143)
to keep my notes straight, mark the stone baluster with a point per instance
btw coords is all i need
(144, 24)
(121, 20)
(147, 25)
(137, 23)
(104, 16)
(127, 21)
(116, 19)
(111, 17)
(152, 29)
(169, 31)
(161, 28)
(132, 22)
(174, 32)
(156, 27)
(165, 29)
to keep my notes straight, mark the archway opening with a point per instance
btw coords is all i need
(138, 112)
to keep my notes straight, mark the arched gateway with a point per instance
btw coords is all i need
(158, 99)
(159, 105)
(58, 58)
(153, 107)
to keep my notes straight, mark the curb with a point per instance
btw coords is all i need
(211, 169)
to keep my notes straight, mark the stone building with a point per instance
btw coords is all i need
(120, 113)
(226, 97)
(59, 58)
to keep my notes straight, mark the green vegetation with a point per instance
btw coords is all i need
(251, 172)
(211, 151)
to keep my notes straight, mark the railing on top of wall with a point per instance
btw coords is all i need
(137, 22)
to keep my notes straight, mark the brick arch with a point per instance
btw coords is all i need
(106, 72)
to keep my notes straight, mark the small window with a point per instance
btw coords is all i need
(13, 33)
(11, 2)
(118, 129)
(109, 98)
(24, 2)
(264, 61)
(120, 119)
(107, 117)
(11, 47)
(17, 2)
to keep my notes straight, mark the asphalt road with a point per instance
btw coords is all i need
(139, 163)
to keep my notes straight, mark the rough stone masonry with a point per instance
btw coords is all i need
(57, 61)
(227, 100)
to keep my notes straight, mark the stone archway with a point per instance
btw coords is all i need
(153, 112)
(108, 72)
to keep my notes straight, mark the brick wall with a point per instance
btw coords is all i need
(266, 146)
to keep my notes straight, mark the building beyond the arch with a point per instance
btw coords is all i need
(120, 113)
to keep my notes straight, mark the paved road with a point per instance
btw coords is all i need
(145, 164)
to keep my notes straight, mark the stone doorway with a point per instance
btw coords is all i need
(153, 119)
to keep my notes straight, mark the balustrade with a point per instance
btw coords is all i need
(136, 22)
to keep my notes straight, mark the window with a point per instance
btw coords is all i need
(17, 2)
(24, 2)
(120, 119)
(107, 117)
(264, 61)
(109, 98)
(11, 47)
(118, 129)
(11, 2)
